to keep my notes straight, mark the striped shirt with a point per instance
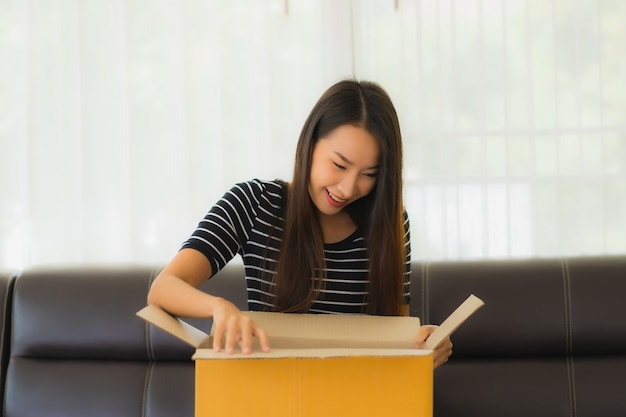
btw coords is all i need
(248, 221)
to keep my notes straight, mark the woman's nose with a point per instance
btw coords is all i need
(348, 186)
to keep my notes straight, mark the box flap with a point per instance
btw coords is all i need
(337, 331)
(300, 331)
(454, 320)
(176, 327)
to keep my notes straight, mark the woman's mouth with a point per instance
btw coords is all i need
(334, 200)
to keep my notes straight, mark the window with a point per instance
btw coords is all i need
(121, 123)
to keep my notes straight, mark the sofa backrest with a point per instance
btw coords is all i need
(550, 340)
(78, 349)
(7, 278)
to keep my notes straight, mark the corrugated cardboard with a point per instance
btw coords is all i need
(319, 365)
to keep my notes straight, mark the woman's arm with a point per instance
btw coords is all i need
(175, 290)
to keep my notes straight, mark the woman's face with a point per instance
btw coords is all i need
(344, 168)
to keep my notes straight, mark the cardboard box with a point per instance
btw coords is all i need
(319, 365)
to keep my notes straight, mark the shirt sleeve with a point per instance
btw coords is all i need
(221, 234)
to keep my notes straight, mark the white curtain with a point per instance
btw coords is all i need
(121, 122)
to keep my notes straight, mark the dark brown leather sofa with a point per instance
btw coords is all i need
(550, 340)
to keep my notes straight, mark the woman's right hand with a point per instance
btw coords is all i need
(175, 290)
(231, 327)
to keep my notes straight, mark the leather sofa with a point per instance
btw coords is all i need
(550, 340)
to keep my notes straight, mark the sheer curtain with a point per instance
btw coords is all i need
(122, 122)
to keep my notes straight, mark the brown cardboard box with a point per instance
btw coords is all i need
(319, 365)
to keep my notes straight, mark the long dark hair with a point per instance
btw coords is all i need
(380, 213)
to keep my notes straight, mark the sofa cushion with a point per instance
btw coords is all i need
(78, 349)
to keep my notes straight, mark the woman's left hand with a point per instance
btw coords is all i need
(442, 352)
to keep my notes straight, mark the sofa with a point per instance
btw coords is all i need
(550, 340)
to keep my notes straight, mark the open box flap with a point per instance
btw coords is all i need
(324, 331)
(454, 320)
(318, 331)
(174, 326)
(301, 331)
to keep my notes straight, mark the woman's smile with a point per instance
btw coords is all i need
(334, 200)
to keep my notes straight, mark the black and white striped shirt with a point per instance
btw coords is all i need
(247, 221)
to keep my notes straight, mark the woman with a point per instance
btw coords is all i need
(333, 240)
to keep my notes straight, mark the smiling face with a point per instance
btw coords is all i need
(344, 168)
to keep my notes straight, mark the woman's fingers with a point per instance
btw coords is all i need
(233, 333)
(422, 334)
(442, 353)
(219, 329)
(245, 336)
(263, 338)
(238, 330)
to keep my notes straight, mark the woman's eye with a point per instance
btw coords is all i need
(339, 166)
(372, 174)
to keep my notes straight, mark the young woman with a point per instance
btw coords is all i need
(333, 240)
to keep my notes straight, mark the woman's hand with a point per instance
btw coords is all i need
(175, 290)
(232, 327)
(442, 352)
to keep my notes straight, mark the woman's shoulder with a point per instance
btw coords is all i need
(258, 186)
(263, 192)
(268, 186)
